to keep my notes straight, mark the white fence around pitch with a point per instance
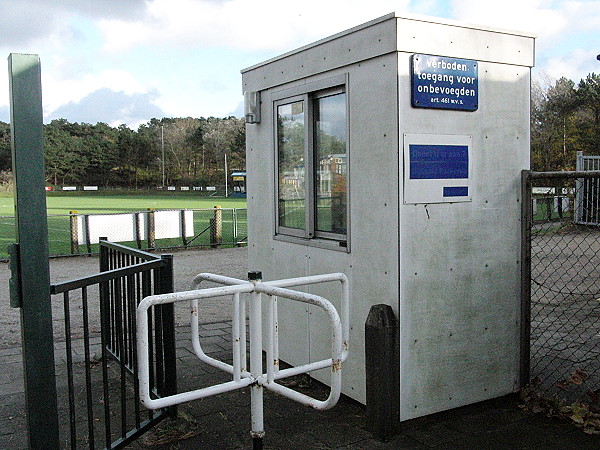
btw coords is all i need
(76, 234)
(124, 227)
(155, 229)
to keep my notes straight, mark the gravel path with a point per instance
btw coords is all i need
(187, 263)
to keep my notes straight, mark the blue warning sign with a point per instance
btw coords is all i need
(444, 83)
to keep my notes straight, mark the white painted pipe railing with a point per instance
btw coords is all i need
(253, 376)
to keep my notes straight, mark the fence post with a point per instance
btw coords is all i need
(150, 228)
(235, 226)
(578, 197)
(32, 236)
(182, 225)
(549, 207)
(558, 195)
(216, 227)
(86, 233)
(167, 315)
(74, 220)
(138, 230)
(525, 329)
(382, 372)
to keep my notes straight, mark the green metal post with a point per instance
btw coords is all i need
(32, 235)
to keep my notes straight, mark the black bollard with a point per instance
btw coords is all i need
(257, 443)
(382, 372)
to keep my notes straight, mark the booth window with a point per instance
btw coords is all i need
(312, 165)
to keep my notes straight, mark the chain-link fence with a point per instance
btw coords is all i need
(565, 285)
(76, 234)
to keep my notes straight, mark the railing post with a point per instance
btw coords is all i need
(525, 329)
(105, 334)
(32, 235)
(103, 252)
(167, 286)
(256, 369)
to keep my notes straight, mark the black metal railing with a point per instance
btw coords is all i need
(561, 285)
(98, 386)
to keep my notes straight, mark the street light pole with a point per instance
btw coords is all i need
(226, 189)
(162, 146)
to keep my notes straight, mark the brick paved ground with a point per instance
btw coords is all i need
(223, 421)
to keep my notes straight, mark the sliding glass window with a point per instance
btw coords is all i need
(312, 164)
(330, 164)
(291, 176)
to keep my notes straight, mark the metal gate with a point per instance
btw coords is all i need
(587, 193)
(98, 383)
(252, 374)
(561, 287)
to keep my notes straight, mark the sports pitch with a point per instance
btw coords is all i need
(59, 205)
(62, 203)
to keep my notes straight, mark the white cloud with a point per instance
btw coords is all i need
(575, 66)
(537, 16)
(24, 22)
(60, 91)
(4, 95)
(114, 107)
(567, 31)
(241, 24)
(582, 15)
(87, 46)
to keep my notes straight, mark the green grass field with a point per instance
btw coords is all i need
(99, 202)
(60, 204)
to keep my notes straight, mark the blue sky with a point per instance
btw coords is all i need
(127, 61)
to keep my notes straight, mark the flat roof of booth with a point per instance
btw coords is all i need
(412, 34)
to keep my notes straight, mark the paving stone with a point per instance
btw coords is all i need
(216, 332)
(10, 351)
(216, 326)
(431, 433)
(518, 435)
(224, 420)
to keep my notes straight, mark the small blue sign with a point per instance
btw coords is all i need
(456, 191)
(444, 83)
(438, 162)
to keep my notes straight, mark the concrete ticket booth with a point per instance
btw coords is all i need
(392, 152)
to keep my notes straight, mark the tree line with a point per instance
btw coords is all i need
(565, 119)
(169, 151)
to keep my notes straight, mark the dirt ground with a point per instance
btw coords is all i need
(187, 263)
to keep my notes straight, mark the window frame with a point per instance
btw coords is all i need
(309, 93)
(281, 229)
